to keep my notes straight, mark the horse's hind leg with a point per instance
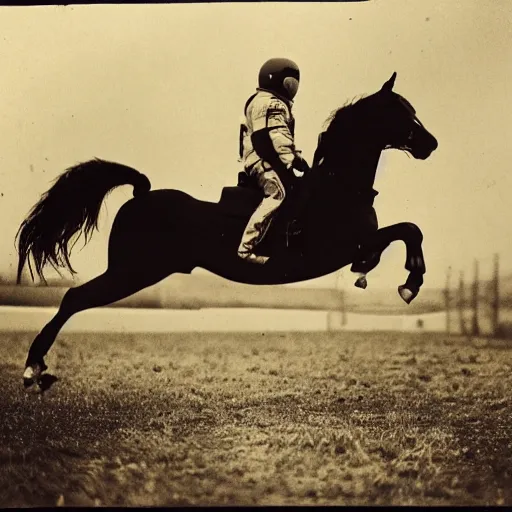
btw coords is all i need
(368, 256)
(367, 260)
(105, 289)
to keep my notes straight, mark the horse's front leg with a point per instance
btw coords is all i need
(414, 263)
(374, 245)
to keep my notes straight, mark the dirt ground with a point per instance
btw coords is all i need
(258, 419)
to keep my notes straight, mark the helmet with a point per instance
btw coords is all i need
(281, 76)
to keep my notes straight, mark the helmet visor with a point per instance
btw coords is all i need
(291, 86)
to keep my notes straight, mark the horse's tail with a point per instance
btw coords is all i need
(72, 205)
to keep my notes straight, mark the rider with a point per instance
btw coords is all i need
(267, 147)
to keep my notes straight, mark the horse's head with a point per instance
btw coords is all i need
(400, 126)
(383, 120)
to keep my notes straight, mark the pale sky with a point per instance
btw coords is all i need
(162, 87)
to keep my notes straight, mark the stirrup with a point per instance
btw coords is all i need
(294, 227)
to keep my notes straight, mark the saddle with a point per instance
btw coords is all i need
(286, 228)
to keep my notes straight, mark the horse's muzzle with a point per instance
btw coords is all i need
(425, 148)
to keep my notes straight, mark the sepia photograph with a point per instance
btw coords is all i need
(256, 254)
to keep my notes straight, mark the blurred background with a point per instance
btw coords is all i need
(162, 87)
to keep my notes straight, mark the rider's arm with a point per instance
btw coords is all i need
(271, 138)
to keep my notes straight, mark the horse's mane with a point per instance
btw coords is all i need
(347, 117)
(345, 114)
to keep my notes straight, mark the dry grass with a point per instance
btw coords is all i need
(212, 419)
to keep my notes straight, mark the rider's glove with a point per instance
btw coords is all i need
(300, 166)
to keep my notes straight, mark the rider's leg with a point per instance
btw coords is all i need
(274, 195)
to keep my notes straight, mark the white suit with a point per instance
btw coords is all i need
(267, 150)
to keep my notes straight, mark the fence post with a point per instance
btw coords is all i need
(447, 300)
(475, 327)
(461, 304)
(495, 300)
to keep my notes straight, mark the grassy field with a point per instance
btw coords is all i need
(253, 419)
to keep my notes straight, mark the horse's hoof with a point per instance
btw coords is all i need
(406, 294)
(29, 377)
(33, 373)
(361, 282)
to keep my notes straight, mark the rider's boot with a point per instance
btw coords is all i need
(253, 258)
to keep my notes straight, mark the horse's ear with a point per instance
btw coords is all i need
(388, 86)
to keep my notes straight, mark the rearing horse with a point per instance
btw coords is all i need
(161, 232)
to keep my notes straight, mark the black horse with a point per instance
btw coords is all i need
(162, 232)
